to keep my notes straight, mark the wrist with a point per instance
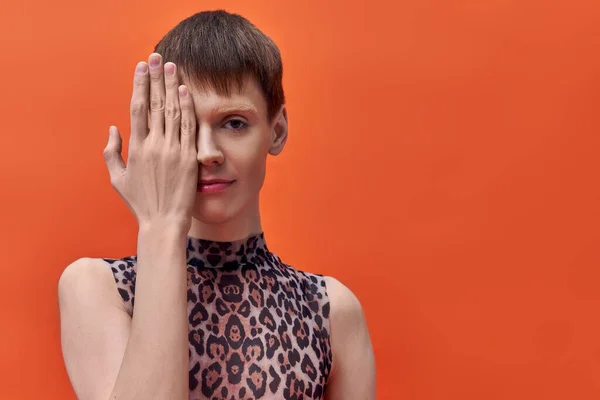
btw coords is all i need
(162, 245)
(163, 229)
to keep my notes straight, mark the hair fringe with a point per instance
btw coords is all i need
(219, 50)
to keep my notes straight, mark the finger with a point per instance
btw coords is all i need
(112, 155)
(172, 111)
(188, 120)
(139, 105)
(157, 95)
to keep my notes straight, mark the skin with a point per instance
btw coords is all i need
(234, 140)
(185, 139)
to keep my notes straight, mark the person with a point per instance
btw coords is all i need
(217, 314)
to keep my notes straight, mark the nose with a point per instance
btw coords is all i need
(209, 152)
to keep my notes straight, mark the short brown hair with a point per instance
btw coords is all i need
(215, 49)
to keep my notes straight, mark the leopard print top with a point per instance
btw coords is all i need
(258, 328)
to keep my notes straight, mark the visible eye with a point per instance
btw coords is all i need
(236, 124)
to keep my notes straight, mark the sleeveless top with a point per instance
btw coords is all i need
(258, 328)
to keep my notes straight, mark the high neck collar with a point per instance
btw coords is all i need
(215, 254)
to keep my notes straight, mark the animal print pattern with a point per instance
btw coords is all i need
(258, 328)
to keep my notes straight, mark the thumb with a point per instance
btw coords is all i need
(112, 154)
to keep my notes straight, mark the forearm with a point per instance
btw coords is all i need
(156, 362)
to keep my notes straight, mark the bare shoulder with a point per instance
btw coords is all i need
(84, 265)
(83, 269)
(94, 326)
(346, 314)
(343, 302)
(353, 367)
(87, 278)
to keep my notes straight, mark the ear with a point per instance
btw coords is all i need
(279, 131)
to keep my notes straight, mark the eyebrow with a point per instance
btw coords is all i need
(235, 108)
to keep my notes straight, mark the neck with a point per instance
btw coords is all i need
(246, 223)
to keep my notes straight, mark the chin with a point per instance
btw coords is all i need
(226, 207)
(219, 209)
(213, 215)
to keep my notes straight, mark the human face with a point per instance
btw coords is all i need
(234, 138)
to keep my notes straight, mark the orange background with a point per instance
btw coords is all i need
(443, 163)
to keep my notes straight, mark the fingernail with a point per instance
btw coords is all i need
(183, 91)
(154, 60)
(141, 68)
(169, 69)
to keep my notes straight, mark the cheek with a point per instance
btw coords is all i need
(258, 172)
(249, 163)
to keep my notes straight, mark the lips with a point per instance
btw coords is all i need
(214, 185)
(213, 181)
